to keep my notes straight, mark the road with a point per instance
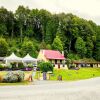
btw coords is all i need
(48, 90)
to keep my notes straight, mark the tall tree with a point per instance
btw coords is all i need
(57, 44)
(28, 47)
(97, 48)
(22, 15)
(51, 29)
(44, 17)
(3, 47)
(80, 47)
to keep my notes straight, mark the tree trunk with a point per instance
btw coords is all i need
(44, 76)
(69, 46)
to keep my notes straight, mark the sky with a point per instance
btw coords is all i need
(87, 9)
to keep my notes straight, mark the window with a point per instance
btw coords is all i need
(60, 61)
(55, 61)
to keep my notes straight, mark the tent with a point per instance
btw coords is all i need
(29, 59)
(12, 58)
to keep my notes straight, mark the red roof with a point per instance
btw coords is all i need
(52, 54)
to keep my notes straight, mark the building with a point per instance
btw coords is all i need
(55, 57)
(87, 64)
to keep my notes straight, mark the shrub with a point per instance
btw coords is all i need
(13, 65)
(72, 66)
(45, 66)
(20, 75)
(30, 65)
(1, 67)
(12, 77)
(20, 65)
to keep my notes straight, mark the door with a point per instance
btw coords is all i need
(58, 66)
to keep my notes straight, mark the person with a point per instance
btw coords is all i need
(30, 78)
(33, 73)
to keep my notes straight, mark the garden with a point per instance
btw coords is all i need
(14, 77)
(15, 74)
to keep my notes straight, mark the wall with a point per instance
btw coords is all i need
(41, 56)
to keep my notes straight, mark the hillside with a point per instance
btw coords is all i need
(28, 31)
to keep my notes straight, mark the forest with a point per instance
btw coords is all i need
(29, 30)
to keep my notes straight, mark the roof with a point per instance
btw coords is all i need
(13, 57)
(52, 54)
(86, 61)
(29, 58)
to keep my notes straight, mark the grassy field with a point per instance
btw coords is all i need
(71, 75)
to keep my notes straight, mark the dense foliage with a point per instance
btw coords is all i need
(45, 66)
(28, 31)
(12, 77)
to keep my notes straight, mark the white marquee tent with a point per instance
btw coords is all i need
(12, 58)
(28, 58)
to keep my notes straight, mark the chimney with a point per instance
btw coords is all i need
(62, 53)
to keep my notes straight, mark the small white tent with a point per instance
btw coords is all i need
(12, 58)
(28, 58)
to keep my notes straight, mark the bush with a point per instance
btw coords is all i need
(72, 66)
(1, 67)
(20, 65)
(13, 65)
(12, 77)
(30, 65)
(45, 66)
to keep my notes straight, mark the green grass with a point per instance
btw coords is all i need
(18, 83)
(71, 75)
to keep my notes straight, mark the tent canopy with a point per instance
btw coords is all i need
(13, 58)
(28, 58)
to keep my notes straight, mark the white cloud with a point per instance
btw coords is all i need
(88, 9)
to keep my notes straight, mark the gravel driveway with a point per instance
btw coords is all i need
(53, 90)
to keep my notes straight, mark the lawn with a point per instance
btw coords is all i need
(70, 75)
(18, 83)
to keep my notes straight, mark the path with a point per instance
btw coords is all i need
(48, 90)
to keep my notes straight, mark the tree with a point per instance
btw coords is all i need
(21, 16)
(3, 47)
(3, 29)
(43, 45)
(97, 48)
(49, 47)
(44, 17)
(89, 46)
(45, 67)
(51, 29)
(57, 44)
(28, 47)
(80, 47)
